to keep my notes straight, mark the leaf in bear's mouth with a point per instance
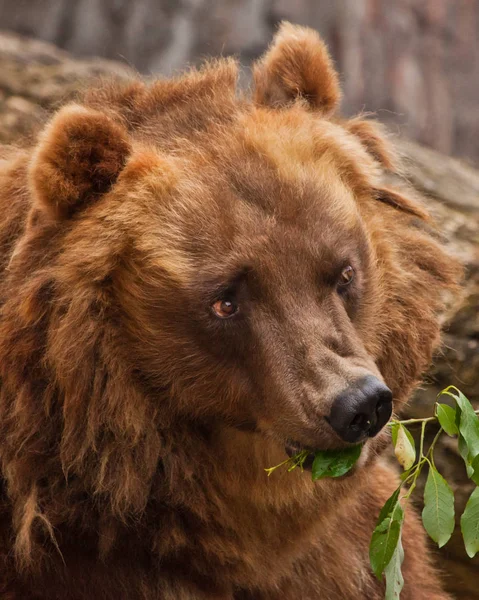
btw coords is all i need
(326, 463)
(334, 463)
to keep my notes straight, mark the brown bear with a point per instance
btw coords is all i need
(194, 283)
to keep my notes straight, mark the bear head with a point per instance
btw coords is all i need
(192, 259)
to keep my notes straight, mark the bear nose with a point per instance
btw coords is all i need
(361, 410)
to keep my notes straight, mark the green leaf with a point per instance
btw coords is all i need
(438, 513)
(394, 431)
(393, 574)
(404, 447)
(388, 509)
(405, 474)
(469, 426)
(334, 463)
(464, 452)
(470, 524)
(475, 470)
(467, 423)
(447, 419)
(468, 420)
(385, 539)
(395, 426)
(321, 464)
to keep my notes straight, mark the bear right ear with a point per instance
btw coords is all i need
(79, 156)
(297, 66)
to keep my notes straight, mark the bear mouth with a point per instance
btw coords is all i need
(292, 448)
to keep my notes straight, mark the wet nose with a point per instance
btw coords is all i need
(361, 410)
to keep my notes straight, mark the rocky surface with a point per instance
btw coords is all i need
(453, 195)
(35, 77)
(452, 190)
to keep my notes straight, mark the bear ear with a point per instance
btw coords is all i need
(79, 156)
(297, 65)
(374, 138)
(400, 202)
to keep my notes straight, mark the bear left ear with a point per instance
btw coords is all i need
(79, 156)
(400, 202)
(297, 65)
(374, 138)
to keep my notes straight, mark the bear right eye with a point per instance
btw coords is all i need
(346, 277)
(224, 309)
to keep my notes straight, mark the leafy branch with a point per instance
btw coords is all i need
(386, 551)
(438, 514)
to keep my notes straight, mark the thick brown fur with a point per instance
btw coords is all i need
(135, 425)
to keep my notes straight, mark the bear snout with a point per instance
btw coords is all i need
(361, 410)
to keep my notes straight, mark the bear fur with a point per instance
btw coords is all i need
(135, 421)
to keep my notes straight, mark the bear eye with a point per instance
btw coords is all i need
(346, 277)
(224, 309)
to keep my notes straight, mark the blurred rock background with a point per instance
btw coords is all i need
(416, 64)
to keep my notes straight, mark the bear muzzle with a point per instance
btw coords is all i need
(361, 411)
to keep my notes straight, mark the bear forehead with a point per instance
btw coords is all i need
(254, 191)
(292, 167)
